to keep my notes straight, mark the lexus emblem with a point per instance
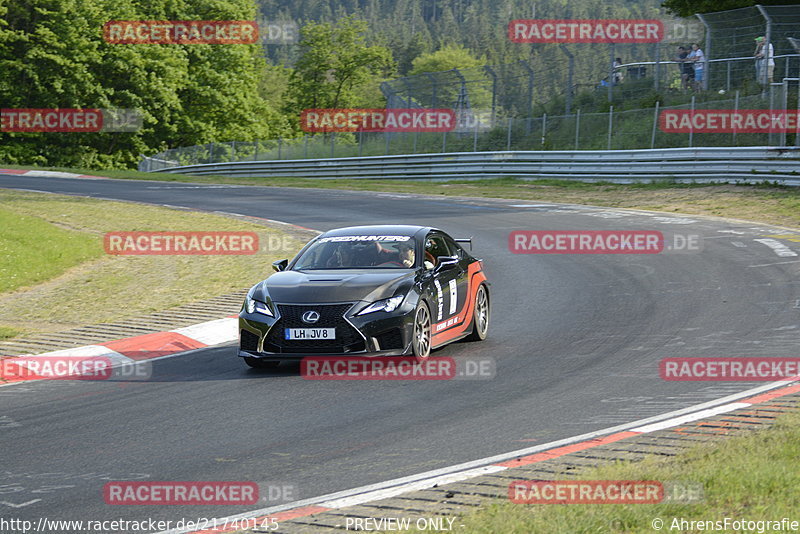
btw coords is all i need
(310, 317)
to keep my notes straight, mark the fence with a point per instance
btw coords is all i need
(556, 71)
(744, 165)
(609, 130)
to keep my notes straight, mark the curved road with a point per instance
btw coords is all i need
(576, 339)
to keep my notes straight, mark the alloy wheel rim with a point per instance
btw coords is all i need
(422, 334)
(483, 311)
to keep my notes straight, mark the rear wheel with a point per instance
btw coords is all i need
(421, 343)
(258, 363)
(480, 316)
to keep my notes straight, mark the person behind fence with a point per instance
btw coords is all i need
(765, 62)
(698, 60)
(686, 69)
(617, 79)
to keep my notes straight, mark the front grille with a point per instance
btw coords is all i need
(391, 339)
(330, 316)
(248, 340)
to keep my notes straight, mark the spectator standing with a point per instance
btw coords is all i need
(765, 61)
(698, 59)
(686, 69)
(617, 71)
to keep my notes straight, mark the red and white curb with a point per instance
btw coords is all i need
(130, 350)
(502, 462)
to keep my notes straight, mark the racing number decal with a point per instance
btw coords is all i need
(439, 297)
(453, 296)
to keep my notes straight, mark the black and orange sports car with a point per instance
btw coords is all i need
(385, 290)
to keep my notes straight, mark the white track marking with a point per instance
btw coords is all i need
(669, 423)
(472, 469)
(212, 332)
(771, 264)
(779, 248)
(411, 486)
(21, 505)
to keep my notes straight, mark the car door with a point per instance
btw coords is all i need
(445, 283)
(461, 273)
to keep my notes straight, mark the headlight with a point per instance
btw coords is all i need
(387, 305)
(253, 306)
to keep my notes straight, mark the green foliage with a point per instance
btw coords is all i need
(334, 64)
(53, 55)
(446, 58)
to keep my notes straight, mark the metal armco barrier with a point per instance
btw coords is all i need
(733, 164)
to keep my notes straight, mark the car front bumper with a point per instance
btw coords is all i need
(375, 334)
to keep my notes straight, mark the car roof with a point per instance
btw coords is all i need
(379, 229)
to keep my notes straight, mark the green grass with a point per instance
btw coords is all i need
(101, 287)
(753, 477)
(7, 333)
(33, 250)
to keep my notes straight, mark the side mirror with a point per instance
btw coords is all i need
(446, 262)
(280, 265)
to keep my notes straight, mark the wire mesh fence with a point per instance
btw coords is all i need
(614, 129)
(500, 107)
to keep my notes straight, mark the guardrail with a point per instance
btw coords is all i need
(738, 164)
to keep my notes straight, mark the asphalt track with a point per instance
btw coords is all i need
(576, 339)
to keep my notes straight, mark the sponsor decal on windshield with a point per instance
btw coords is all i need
(345, 238)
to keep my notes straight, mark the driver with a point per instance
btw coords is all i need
(406, 252)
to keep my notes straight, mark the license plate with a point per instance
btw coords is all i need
(310, 333)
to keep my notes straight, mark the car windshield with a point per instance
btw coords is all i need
(358, 252)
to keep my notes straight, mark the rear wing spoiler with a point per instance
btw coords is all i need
(465, 240)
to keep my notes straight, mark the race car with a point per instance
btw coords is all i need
(384, 290)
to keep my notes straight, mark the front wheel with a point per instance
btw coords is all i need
(258, 363)
(480, 317)
(421, 343)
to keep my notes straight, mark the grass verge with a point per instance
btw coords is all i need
(33, 250)
(767, 203)
(749, 477)
(106, 288)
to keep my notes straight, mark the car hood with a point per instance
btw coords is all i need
(335, 285)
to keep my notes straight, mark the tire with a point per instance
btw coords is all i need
(480, 315)
(421, 338)
(257, 363)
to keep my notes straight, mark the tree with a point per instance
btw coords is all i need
(441, 86)
(334, 64)
(448, 57)
(53, 55)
